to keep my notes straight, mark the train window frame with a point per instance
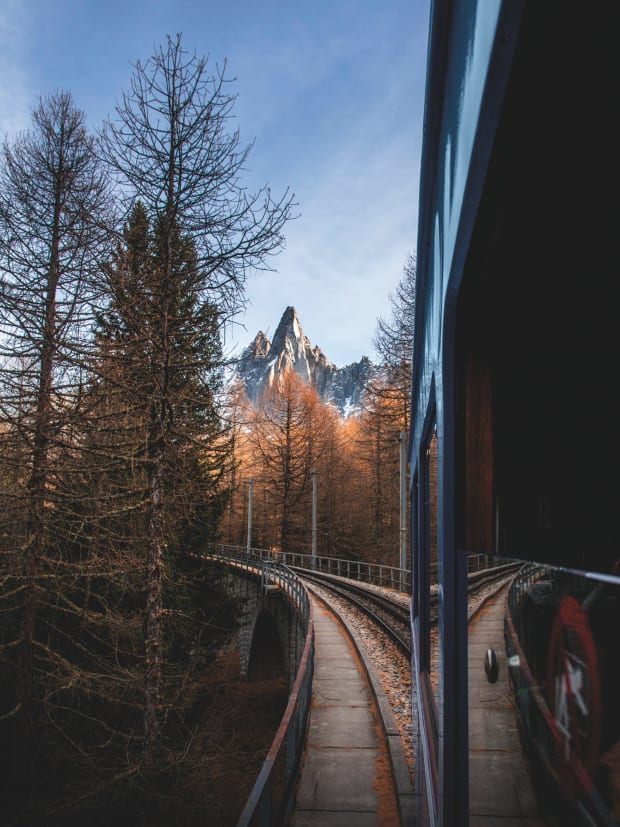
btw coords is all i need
(422, 542)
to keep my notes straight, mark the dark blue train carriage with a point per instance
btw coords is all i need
(514, 443)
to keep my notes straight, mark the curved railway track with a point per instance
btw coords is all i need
(389, 614)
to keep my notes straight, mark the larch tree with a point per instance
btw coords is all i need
(377, 450)
(387, 414)
(335, 486)
(237, 414)
(393, 341)
(287, 440)
(54, 234)
(170, 146)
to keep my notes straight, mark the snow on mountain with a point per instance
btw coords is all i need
(263, 361)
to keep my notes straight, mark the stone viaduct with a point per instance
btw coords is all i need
(270, 630)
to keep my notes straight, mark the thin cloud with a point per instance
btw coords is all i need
(331, 94)
(16, 20)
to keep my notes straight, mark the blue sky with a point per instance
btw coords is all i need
(332, 93)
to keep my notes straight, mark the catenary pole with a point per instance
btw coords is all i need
(250, 491)
(403, 508)
(314, 508)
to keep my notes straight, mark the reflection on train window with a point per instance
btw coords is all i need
(432, 518)
(544, 726)
(431, 649)
(415, 546)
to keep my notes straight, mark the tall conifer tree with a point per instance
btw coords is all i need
(170, 146)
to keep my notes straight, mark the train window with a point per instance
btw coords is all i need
(433, 556)
(544, 683)
(415, 546)
(426, 560)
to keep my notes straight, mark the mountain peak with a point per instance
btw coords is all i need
(258, 347)
(263, 363)
(289, 335)
(289, 317)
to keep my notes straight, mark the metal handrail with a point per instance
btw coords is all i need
(271, 798)
(269, 570)
(374, 573)
(266, 804)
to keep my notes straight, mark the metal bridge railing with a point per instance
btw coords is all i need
(271, 798)
(377, 574)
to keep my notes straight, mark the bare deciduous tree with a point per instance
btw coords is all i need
(394, 343)
(53, 235)
(170, 147)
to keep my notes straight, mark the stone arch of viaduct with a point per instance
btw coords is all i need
(254, 600)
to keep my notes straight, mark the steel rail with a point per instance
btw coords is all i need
(356, 596)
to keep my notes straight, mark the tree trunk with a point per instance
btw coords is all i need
(35, 538)
(153, 631)
(160, 411)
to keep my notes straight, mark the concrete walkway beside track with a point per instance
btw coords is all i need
(352, 772)
(500, 789)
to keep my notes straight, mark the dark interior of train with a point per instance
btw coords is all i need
(537, 320)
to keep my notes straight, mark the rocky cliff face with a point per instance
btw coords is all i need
(263, 361)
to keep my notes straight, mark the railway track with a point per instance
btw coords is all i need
(390, 614)
(385, 663)
(386, 634)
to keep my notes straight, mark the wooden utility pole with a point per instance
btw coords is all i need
(403, 508)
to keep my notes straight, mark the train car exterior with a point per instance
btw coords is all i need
(516, 424)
